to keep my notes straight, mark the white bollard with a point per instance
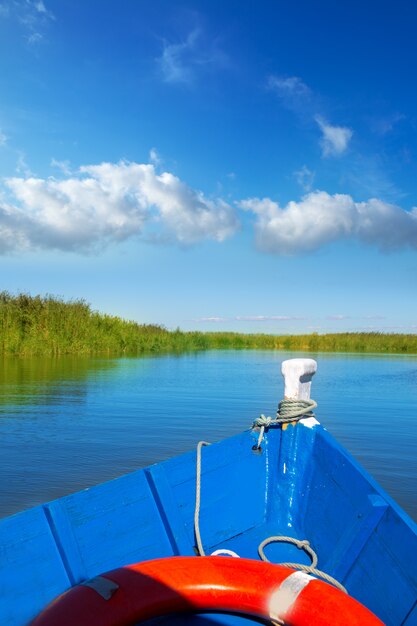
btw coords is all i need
(297, 375)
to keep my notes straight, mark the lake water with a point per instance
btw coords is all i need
(70, 423)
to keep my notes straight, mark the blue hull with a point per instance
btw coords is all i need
(303, 484)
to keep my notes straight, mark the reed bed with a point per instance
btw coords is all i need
(51, 326)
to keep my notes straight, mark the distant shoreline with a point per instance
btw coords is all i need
(50, 326)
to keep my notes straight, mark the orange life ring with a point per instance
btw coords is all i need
(142, 591)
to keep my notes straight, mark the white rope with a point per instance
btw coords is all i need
(288, 411)
(198, 499)
(301, 545)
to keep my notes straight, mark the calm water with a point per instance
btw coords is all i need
(70, 423)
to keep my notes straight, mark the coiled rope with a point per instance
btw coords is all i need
(288, 411)
(301, 545)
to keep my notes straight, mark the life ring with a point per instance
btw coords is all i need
(135, 593)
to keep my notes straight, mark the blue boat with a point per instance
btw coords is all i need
(283, 491)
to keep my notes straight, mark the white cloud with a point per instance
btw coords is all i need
(108, 202)
(62, 166)
(3, 139)
(40, 7)
(34, 37)
(174, 62)
(367, 176)
(301, 100)
(32, 15)
(212, 319)
(384, 125)
(291, 86)
(31, 11)
(305, 178)
(320, 218)
(180, 62)
(293, 93)
(251, 318)
(377, 316)
(154, 157)
(338, 318)
(335, 139)
(267, 318)
(21, 165)
(342, 317)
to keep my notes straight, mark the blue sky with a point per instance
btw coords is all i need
(213, 165)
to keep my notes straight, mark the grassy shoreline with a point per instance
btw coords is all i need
(50, 326)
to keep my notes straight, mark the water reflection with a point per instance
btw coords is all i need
(42, 381)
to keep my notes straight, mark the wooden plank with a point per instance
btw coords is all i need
(109, 525)
(65, 540)
(347, 552)
(382, 582)
(233, 489)
(31, 570)
(168, 510)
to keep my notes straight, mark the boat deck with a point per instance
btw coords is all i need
(302, 484)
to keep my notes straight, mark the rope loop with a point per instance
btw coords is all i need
(288, 411)
(262, 421)
(305, 546)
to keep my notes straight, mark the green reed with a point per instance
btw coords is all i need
(51, 326)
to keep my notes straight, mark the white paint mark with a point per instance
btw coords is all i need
(284, 469)
(310, 422)
(287, 593)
